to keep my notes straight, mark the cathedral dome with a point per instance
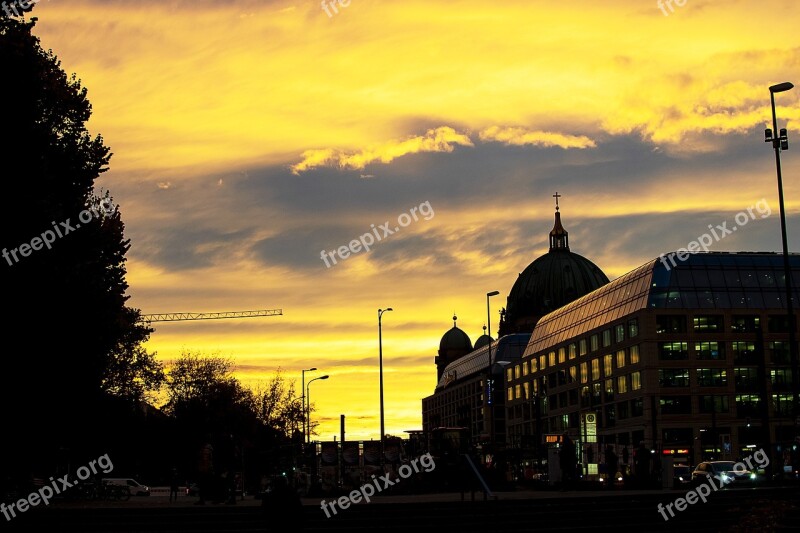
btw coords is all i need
(455, 339)
(551, 281)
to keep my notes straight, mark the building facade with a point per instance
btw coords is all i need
(690, 357)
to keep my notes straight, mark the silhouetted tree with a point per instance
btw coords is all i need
(62, 261)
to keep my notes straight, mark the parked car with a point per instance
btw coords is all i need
(681, 475)
(136, 488)
(725, 471)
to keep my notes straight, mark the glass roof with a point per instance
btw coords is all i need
(507, 348)
(712, 280)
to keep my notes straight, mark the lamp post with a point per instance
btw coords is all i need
(308, 400)
(380, 372)
(489, 402)
(781, 142)
(305, 410)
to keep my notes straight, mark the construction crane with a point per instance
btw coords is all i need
(174, 317)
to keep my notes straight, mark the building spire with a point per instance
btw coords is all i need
(559, 237)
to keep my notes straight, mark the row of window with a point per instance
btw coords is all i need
(666, 324)
(745, 378)
(746, 404)
(742, 351)
(621, 384)
(535, 364)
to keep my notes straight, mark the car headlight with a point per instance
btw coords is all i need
(752, 476)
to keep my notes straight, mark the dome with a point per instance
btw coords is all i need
(455, 339)
(551, 281)
(483, 340)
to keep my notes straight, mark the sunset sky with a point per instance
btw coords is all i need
(249, 135)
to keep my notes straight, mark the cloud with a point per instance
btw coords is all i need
(441, 139)
(517, 136)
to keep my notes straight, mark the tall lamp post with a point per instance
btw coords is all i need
(781, 142)
(305, 410)
(308, 400)
(380, 371)
(489, 401)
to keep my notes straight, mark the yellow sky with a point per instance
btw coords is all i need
(244, 131)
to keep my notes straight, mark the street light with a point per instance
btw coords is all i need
(489, 405)
(305, 410)
(380, 371)
(308, 400)
(781, 142)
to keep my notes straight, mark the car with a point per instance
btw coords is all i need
(724, 471)
(136, 488)
(681, 474)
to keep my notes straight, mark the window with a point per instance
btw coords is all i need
(595, 369)
(637, 407)
(745, 323)
(525, 368)
(781, 379)
(517, 393)
(582, 347)
(675, 405)
(585, 399)
(562, 355)
(596, 394)
(620, 358)
(636, 380)
(584, 373)
(573, 350)
(510, 395)
(777, 324)
(634, 354)
(552, 358)
(622, 384)
(670, 324)
(606, 338)
(712, 377)
(713, 404)
(610, 415)
(747, 405)
(779, 352)
(668, 351)
(708, 323)
(673, 377)
(782, 404)
(744, 351)
(633, 327)
(709, 350)
(533, 365)
(594, 342)
(526, 391)
(623, 410)
(573, 374)
(607, 362)
(509, 374)
(542, 362)
(517, 371)
(619, 333)
(609, 390)
(746, 378)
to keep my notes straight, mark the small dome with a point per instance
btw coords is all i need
(483, 340)
(455, 339)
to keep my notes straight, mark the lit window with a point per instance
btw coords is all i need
(573, 350)
(620, 358)
(552, 358)
(619, 333)
(510, 395)
(562, 355)
(607, 361)
(636, 381)
(595, 369)
(634, 354)
(622, 384)
(584, 373)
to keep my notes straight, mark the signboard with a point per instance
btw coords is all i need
(330, 453)
(372, 453)
(350, 453)
(590, 427)
(553, 439)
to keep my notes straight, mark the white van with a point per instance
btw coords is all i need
(136, 488)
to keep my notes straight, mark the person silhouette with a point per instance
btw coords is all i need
(281, 504)
(174, 482)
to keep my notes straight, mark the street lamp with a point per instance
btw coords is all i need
(489, 404)
(305, 410)
(308, 400)
(380, 371)
(781, 142)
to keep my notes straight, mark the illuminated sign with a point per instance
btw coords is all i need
(590, 427)
(673, 451)
(553, 439)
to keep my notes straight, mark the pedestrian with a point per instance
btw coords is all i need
(205, 471)
(174, 482)
(566, 459)
(281, 504)
(641, 461)
(611, 466)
